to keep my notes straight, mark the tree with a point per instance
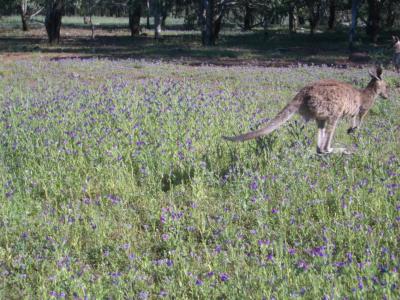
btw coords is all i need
(248, 16)
(292, 18)
(211, 14)
(54, 12)
(374, 19)
(25, 10)
(392, 8)
(332, 14)
(157, 18)
(135, 12)
(355, 6)
(314, 9)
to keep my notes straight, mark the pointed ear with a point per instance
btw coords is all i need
(373, 75)
(395, 38)
(379, 72)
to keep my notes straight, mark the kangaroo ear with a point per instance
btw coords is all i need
(373, 75)
(395, 38)
(379, 72)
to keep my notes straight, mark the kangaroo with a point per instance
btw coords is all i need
(396, 54)
(326, 102)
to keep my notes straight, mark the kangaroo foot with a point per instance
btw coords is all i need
(334, 150)
(323, 151)
(341, 150)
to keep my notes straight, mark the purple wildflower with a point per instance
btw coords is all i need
(274, 211)
(210, 274)
(349, 257)
(143, 295)
(163, 219)
(302, 264)
(254, 185)
(263, 242)
(360, 283)
(270, 257)
(163, 294)
(114, 199)
(223, 277)
(199, 282)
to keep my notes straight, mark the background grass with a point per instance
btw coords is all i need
(115, 183)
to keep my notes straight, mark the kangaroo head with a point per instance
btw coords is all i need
(377, 83)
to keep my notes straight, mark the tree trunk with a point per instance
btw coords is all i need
(207, 18)
(248, 18)
(390, 13)
(374, 18)
(23, 10)
(355, 6)
(148, 14)
(265, 24)
(332, 14)
(314, 7)
(292, 19)
(24, 20)
(53, 19)
(157, 19)
(217, 28)
(163, 18)
(211, 21)
(313, 23)
(135, 11)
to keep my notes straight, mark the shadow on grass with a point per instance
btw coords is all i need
(276, 48)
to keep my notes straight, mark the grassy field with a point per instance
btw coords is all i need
(115, 183)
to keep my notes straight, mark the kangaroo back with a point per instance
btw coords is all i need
(275, 123)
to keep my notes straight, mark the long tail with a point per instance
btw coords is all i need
(275, 123)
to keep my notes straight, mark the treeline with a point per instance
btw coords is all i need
(210, 15)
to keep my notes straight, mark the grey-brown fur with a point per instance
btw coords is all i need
(326, 102)
(396, 54)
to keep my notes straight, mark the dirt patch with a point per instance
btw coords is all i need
(198, 61)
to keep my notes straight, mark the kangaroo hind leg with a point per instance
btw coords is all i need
(328, 131)
(321, 135)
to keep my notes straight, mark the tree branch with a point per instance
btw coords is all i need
(36, 13)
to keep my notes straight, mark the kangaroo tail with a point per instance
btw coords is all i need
(275, 123)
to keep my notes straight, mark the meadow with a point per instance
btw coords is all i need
(115, 183)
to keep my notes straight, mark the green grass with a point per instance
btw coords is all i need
(115, 183)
